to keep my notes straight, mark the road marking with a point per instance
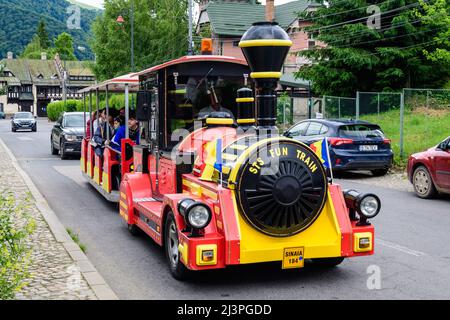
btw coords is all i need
(73, 173)
(399, 248)
(38, 159)
(25, 139)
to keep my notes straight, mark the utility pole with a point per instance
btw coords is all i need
(190, 49)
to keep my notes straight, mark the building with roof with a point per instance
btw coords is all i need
(227, 21)
(31, 85)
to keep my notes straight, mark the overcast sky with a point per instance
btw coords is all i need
(99, 3)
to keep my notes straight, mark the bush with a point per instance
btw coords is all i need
(15, 228)
(116, 101)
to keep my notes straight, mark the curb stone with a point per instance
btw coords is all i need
(87, 269)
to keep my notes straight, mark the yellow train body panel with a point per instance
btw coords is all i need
(321, 240)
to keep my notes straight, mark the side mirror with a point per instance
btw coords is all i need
(143, 108)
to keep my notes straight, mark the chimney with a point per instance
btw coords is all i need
(43, 55)
(270, 10)
(10, 55)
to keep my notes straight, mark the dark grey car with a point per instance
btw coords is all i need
(67, 134)
(23, 121)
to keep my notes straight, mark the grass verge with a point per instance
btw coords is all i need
(76, 239)
(423, 129)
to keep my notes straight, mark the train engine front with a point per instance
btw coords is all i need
(254, 196)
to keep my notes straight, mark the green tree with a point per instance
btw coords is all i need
(437, 16)
(33, 50)
(64, 46)
(43, 35)
(160, 29)
(357, 57)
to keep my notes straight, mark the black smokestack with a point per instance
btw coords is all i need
(265, 46)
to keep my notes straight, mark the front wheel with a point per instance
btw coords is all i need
(62, 151)
(328, 262)
(171, 242)
(53, 150)
(380, 172)
(423, 184)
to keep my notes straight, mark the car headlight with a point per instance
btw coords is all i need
(71, 138)
(196, 214)
(367, 205)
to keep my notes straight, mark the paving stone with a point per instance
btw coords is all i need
(54, 273)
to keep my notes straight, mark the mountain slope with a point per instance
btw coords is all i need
(21, 17)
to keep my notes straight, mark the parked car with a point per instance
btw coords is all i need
(23, 121)
(429, 171)
(354, 144)
(67, 134)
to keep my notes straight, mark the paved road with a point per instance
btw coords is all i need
(412, 245)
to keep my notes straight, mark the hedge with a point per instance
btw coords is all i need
(54, 109)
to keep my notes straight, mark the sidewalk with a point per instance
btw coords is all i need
(59, 269)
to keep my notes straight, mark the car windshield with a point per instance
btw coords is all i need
(74, 121)
(360, 131)
(24, 115)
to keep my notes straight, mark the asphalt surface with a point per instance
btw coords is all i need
(412, 244)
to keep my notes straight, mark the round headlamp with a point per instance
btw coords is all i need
(369, 205)
(196, 214)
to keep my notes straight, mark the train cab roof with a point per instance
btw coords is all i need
(191, 59)
(117, 84)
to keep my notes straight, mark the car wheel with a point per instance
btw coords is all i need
(328, 262)
(34, 129)
(380, 172)
(134, 230)
(52, 147)
(171, 242)
(423, 184)
(62, 151)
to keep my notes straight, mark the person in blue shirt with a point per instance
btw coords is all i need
(120, 134)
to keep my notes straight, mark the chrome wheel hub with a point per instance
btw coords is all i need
(173, 244)
(421, 182)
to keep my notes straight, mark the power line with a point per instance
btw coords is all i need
(412, 5)
(342, 12)
(377, 53)
(388, 38)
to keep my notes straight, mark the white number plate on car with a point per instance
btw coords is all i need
(368, 148)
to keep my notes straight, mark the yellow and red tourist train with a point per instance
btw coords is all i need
(214, 183)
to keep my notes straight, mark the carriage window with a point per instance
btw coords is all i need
(191, 98)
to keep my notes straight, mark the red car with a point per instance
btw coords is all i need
(429, 171)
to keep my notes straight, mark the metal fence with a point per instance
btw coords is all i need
(427, 98)
(339, 107)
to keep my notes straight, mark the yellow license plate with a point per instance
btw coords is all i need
(294, 258)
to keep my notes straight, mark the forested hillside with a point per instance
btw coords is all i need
(20, 18)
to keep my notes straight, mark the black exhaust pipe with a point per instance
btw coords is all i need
(265, 46)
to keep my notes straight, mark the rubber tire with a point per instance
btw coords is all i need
(431, 188)
(178, 270)
(52, 148)
(380, 172)
(134, 230)
(328, 262)
(34, 129)
(62, 153)
(13, 130)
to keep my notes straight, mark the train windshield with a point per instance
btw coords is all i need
(191, 98)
